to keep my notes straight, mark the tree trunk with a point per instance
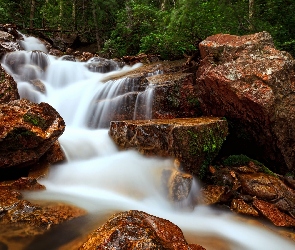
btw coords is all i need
(60, 15)
(32, 14)
(96, 26)
(251, 14)
(74, 15)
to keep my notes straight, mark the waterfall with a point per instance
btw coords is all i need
(102, 179)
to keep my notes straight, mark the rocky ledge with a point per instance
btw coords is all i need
(193, 141)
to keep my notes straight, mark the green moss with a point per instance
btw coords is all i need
(209, 142)
(290, 174)
(235, 160)
(35, 120)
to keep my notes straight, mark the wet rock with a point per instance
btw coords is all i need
(23, 183)
(211, 194)
(177, 184)
(39, 85)
(141, 58)
(272, 213)
(267, 187)
(27, 131)
(68, 58)
(24, 220)
(174, 96)
(290, 181)
(195, 142)
(26, 65)
(8, 88)
(247, 80)
(103, 65)
(8, 43)
(241, 207)
(137, 230)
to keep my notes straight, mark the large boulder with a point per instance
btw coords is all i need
(27, 131)
(138, 230)
(248, 81)
(195, 142)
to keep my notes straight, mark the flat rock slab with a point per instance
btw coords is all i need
(194, 141)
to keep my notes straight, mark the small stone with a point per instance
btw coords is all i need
(211, 194)
(241, 207)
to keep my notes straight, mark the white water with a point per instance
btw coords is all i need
(101, 179)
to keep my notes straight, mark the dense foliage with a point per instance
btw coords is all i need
(170, 28)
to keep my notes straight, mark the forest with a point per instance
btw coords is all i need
(168, 28)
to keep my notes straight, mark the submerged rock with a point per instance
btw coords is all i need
(178, 186)
(27, 131)
(247, 80)
(137, 230)
(193, 141)
(23, 220)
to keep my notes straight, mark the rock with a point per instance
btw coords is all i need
(174, 96)
(8, 43)
(103, 65)
(26, 65)
(146, 93)
(27, 131)
(23, 183)
(193, 141)
(137, 230)
(142, 58)
(177, 185)
(8, 88)
(211, 194)
(241, 207)
(247, 80)
(270, 188)
(277, 217)
(39, 85)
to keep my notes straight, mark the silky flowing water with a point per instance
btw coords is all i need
(102, 179)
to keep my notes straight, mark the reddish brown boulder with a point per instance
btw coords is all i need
(137, 230)
(247, 80)
(8, 88)
(193, 141)
(27, 131)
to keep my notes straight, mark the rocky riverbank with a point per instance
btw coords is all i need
(226, 118)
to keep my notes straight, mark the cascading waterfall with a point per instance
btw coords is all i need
(103, 180)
